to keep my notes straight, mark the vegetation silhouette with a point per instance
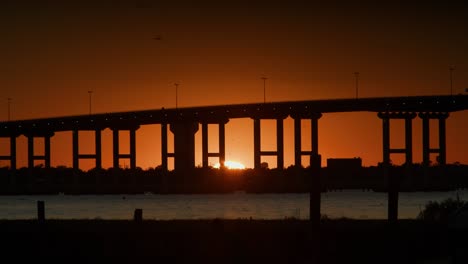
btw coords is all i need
(441, 211)
(293, 179)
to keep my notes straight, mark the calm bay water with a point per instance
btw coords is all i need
(351, 204)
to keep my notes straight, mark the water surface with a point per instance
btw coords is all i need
(351, 204)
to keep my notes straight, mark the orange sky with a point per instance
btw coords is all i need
(53, 53)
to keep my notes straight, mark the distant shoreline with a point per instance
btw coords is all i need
(209, 180)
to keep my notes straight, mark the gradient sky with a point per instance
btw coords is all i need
(53, 53)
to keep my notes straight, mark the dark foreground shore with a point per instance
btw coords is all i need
(229, 241)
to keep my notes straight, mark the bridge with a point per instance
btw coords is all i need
(185, 122)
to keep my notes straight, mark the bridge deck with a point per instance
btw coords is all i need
(220, 113)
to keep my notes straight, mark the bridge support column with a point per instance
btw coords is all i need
(116, 148)
(298, 152)
(132, 149)
(297, 142)
(425, 139)
(12, 159)
(221, 154)
(47, 152)
(393, 181)
(409, 141)
(280, 143)
(257, 133)
(184, 145)
(31, 156)
(13, 153)
(222, 143)
(314, 139)
(205, 145)
(98, 147)
(442, 150)
(75, 146)
(98, 150)
(164, 153)
(279, 153)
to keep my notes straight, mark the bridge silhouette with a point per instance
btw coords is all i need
(185, 122)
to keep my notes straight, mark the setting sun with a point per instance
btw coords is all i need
(232, 165)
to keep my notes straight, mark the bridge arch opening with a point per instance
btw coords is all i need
(239, 141)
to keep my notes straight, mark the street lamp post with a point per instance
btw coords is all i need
(9, 108)
(90, 93)
(356, 74)
(264, 89)
(176, 94)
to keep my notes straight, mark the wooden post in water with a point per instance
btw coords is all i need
(314, 209)
(138, 215)
(315, 190)
(40, 211)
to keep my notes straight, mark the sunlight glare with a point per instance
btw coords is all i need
(232, 165)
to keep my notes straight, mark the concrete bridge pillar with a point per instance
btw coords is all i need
(297, 142)
(184, 145)
(12, 159)
(393, 181)
(75, 149)
(279, 153)
(31, 156)
(298, 152)
(425, 139)
(98, 150)
(442, 150)
(222, 143)
(205, 145)
(221, 154)
(12, 156)
(164, 154)
(116, 148)
(280, 143)
(257, 143)
(315, 187)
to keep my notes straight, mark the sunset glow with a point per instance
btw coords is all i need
(300, 53)
(232, 165)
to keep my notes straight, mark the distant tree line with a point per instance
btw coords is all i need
(210, 180)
